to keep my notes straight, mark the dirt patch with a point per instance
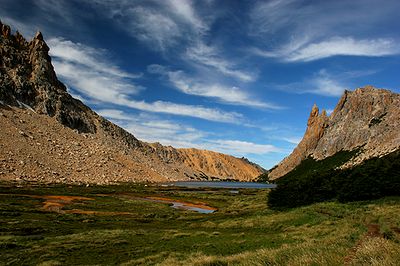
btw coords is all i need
(55, 203)
(373, 231)
(396, 230)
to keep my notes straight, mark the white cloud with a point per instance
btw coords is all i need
(210, 56)
(269, 17)
(151, 128)
(176, 28)
(242, 147)
(197, 111)
(346, 46)
(83, 68)
(223, 93)
(179, 24)
(154, 28)
(92, 58)
(321, 18)
(324, 84)
(293, 140)
(319, 30)
(159, 24)
(184, 9)
(95, 84)
(333, 47)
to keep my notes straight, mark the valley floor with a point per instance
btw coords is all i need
(105, 225)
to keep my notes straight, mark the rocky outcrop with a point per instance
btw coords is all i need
(367, 118)
(28, 78)
(31, 92)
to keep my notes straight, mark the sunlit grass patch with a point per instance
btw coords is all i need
(377, 251)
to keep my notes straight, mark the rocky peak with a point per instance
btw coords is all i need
(28, 78)
(41, 62)
(367, 117)
(314, 110)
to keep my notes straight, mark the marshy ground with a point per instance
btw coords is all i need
(107, 225)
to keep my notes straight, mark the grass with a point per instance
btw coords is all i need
(244, 231)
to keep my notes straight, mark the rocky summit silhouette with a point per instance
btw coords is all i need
(47, 135)
(367, 119)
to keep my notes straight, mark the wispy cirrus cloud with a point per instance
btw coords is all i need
(293, 140)
(211, 57)
(321, 83)
(194, 86)
(160, 24)
(325, 83)
(185, 11)
(177, 28)
(242, 147)
(335, 46)
(151, 128)
(312, 31)
(153, 27)
(86, 70)
(91, 58)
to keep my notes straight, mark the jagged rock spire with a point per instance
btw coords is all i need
(38, 36)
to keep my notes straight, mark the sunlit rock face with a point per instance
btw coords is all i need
(367, 118)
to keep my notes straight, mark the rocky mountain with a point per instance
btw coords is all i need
(367, 119)
(48, 135)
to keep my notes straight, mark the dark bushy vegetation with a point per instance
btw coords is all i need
(263, 178)
(317, 181)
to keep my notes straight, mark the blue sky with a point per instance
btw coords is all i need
(238, 77)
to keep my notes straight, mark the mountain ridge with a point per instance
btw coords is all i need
(365, 119)
(28, 81)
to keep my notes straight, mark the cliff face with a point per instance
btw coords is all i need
(31, 92)
(367, 118)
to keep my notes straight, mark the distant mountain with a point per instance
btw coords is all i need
(48, 135)
(366, 121)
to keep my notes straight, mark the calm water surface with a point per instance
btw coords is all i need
(219, 184)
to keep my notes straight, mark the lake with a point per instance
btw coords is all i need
(219, 184)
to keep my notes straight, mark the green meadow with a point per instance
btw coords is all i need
(115, 226)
